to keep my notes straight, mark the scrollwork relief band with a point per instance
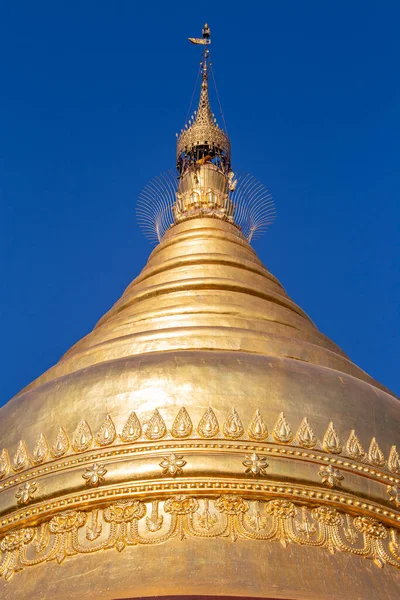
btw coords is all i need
(131, 522)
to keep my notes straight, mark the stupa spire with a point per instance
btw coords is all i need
(206, 185)
(202, 140)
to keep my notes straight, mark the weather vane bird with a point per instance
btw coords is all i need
(206, 39)
(205, 184)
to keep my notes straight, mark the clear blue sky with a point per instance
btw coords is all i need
(92, 94)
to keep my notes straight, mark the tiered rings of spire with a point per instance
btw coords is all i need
(206, 185)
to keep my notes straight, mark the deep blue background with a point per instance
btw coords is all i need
(92, 94)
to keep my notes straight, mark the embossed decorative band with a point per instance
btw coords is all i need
(208, 428)
(132, 522)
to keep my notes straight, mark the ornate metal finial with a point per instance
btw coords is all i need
(206, 185)
(203, 140)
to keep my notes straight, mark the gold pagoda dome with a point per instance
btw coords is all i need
(205, 439)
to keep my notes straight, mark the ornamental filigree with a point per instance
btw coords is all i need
(231, 504)
(330, 476)
(305, 526)
(281, 508)
(4, 463)
(132, 429)
(375, 454)
(394, 460)
(106, 434)
(93, 531)
(305, 435)
(206, 519)
(156, 428)
(327, 515)
(40, 451)
(331, 441)
(202, 134)
(258, 521)
(67, 520)
(117, 525)
(83, 437)
(354, 447)
(282, 431)
(371, 527)
(208, 426)
(124, 511)
(172, 465)
(256, 465)
(233, 427)
(155, 521)
(182, 426)
(61, 444)
(181, 505)
(94, 474)
(21, 458)
(14, 540)
(394, 494)
(26, 492)
(258, 429)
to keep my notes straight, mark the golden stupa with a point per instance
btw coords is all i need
(205, 439)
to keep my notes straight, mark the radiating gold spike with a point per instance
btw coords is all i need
(331, 442)
(83, 437)
(282, 431)
(61, 444)
(21, 457)
(156, 428)
(40, 451)
(106, 434)
(375, 454)
(233, 427)
(394, 460)
(258, 429)
(208, 425)
(182, 425)
(305, 435)
(354, 447)
(132, 429)
(4, 463)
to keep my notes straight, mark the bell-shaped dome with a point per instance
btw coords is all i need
(203, 420)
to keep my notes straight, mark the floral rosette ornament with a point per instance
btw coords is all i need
(181, 505)
(67, 521)
(17, 539)
(327, 515)
(371, 527)
(283, 509)
(231, 505)
(124, 511)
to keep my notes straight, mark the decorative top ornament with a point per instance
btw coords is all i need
(206, 185)
(206, 39)
(202, 140)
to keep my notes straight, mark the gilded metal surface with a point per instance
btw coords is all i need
(203, 191)
(204, 130)
(204, 380)
(123, 523)
(204, 420)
